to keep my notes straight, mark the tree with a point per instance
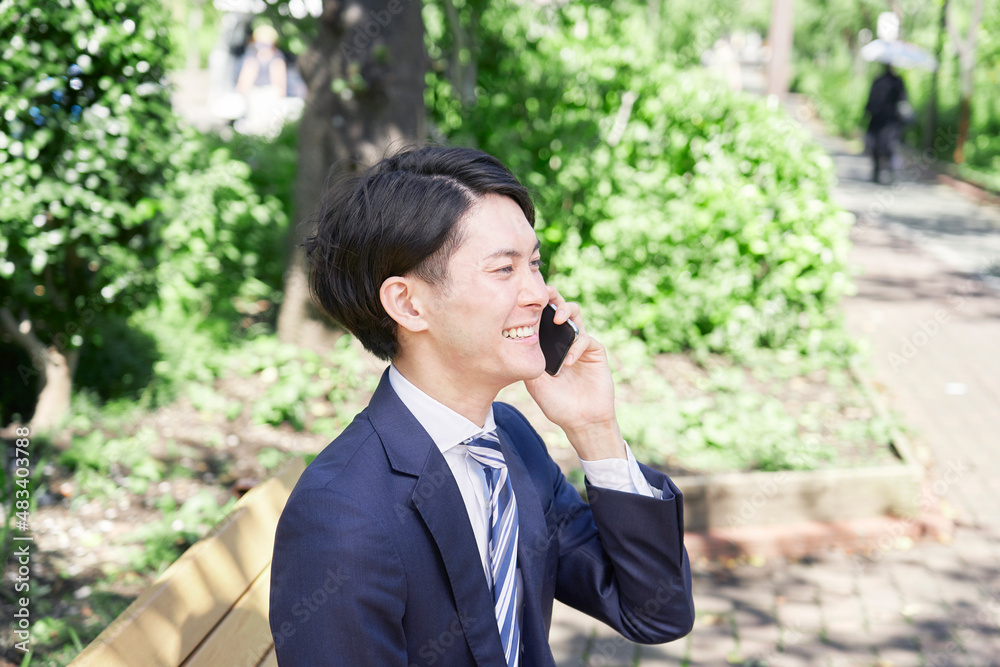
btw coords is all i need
(365, 77)
(780, 37)
(83, 144)
(966, 49)
(930, 123)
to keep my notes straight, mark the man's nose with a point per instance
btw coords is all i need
(533, 292)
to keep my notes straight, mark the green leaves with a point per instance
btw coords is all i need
(682, 216)
(673, 209)
(87, 130)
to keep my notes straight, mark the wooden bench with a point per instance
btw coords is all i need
(210, 606)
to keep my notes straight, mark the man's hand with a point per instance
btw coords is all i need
(581, 399)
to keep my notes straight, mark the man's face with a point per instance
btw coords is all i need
(483, 321)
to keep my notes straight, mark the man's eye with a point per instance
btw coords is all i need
(537, 263)
(506, 269)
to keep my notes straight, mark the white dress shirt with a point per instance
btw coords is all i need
(449, 430)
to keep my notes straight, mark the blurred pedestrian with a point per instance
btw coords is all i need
(263, 81)
(888, 112)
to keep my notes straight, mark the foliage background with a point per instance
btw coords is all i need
(686, 218)
(708, 211)
(113, 206)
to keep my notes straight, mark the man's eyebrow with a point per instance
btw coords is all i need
(512, 253)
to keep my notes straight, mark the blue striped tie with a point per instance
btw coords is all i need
(485, 449)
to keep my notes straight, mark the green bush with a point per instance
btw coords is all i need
(673, 209)
(837, 92)
(84, 138)
(117, 359)
(299, 382)
(165, 540)
(109, 205)
(729, 427)
(102, 466)
(720, 234)
(222, 248)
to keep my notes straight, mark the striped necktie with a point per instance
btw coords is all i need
(485, 450)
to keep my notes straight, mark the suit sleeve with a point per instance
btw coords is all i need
(622, 558)
(337, 585)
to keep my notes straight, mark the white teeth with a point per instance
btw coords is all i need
(519, 332)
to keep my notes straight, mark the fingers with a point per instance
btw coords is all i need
(579, 348)
(565, 310)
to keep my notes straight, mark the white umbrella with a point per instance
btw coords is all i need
(898, 54)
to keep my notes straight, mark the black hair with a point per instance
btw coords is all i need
(401, 216)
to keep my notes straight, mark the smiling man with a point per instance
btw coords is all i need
(436, 529)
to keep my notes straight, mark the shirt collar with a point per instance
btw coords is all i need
(446, 427)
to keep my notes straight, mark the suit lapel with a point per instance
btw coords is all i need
(439, 502)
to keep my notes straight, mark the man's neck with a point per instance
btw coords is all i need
(471, 402)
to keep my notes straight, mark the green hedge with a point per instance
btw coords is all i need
(673, 209)
(109, 204)
(720, 234)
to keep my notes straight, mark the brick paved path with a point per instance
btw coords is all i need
(933, 327)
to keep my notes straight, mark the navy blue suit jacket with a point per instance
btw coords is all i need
(375, 562)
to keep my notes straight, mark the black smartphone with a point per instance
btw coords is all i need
(555, 339)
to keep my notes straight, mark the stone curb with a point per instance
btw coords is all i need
(802, 539)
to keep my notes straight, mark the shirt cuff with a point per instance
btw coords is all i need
(620, 475)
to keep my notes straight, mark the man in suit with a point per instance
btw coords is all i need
(436, 529)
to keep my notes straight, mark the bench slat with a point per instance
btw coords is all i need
(243, 636)
(269, 660)
(172, 617)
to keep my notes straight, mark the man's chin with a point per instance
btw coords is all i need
(533, 373)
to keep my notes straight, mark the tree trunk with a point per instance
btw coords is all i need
(54, 368)
(967, 63)
(463, 76)
(780, 37)
(365, 78)
(964, 109)
(56, 386)
(930, 126)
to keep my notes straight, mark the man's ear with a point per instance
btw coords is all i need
(400, 298)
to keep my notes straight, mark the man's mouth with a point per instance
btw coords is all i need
(519, 332)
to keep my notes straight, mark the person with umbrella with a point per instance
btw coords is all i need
(885, 109)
